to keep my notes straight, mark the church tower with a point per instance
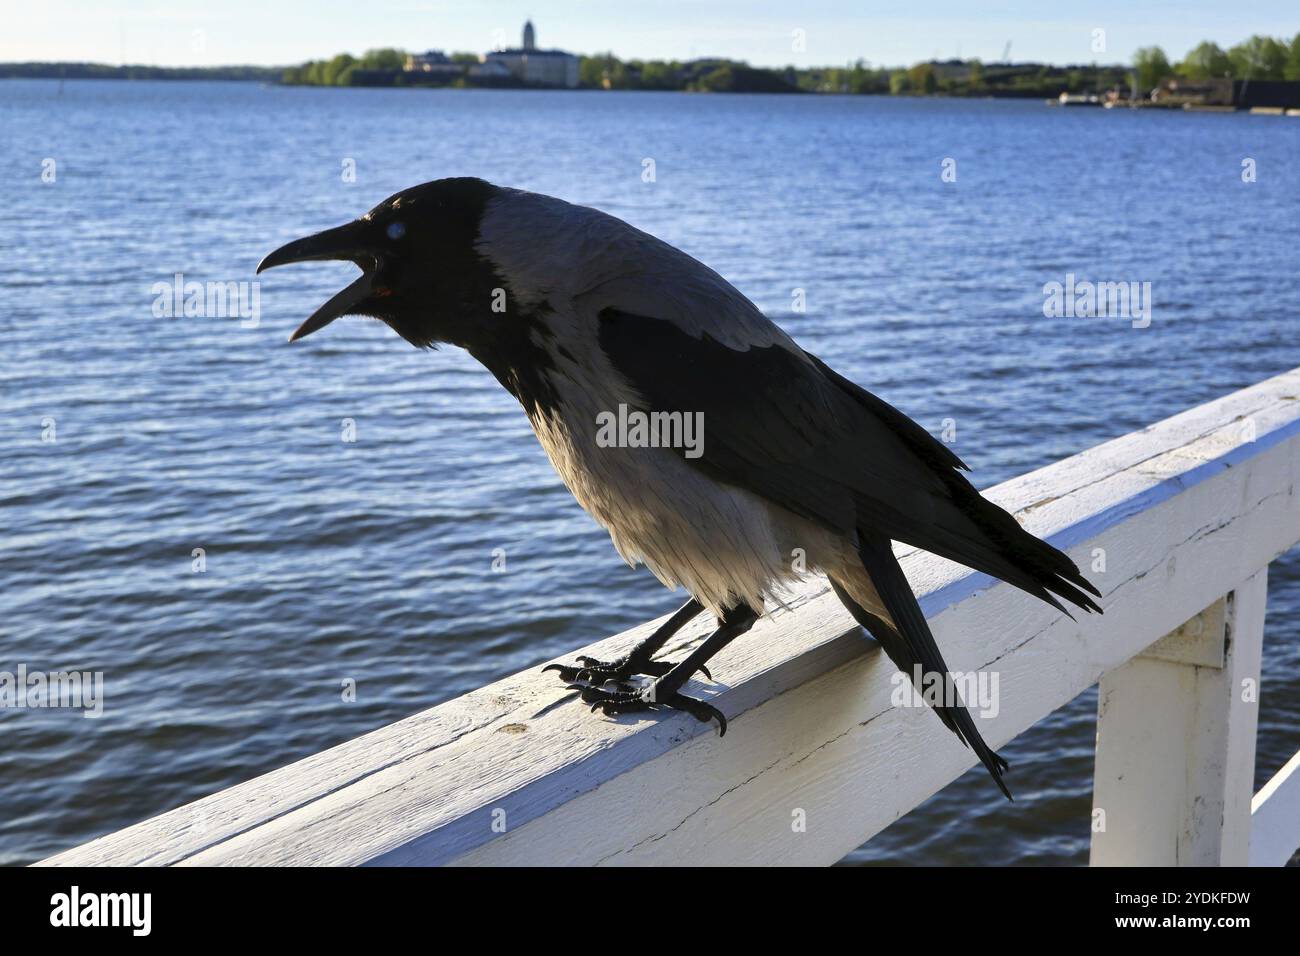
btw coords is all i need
(530, 36)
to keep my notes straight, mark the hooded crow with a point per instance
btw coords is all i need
(581, 316)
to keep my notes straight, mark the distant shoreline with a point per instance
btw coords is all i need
(276, 81)
(952, 79)
(104, 71)
(854, 80)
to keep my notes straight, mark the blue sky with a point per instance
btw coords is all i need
(191, 32)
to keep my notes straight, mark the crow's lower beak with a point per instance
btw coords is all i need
(341, 243)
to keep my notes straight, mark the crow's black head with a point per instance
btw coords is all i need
(420, 274)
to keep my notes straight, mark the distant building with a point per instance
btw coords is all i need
(490, 70)
(1227, 92)
(1266, 94)
(536, 67)
(1211, 92)
(433, 61)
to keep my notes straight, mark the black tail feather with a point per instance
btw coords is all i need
(909, 642)
(962, 525)
(1021, 558)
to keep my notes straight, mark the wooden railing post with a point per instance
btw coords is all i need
(1176, 742)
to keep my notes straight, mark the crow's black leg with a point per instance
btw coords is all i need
(664, 693)
(638, 660)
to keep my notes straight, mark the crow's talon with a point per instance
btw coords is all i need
(567, 674)
(610, 704)
(598, 672)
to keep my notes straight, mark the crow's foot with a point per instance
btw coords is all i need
(610, 703)
(597, 672)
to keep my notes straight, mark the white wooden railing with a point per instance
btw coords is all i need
(1177, 525)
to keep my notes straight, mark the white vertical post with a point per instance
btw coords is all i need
(1176, 742)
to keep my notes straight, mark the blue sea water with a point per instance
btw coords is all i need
(371, 559)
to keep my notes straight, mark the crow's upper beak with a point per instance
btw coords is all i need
(342, 243)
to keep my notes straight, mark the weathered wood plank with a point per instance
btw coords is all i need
(1178, 514)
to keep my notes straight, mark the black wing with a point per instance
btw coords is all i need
(783, 425)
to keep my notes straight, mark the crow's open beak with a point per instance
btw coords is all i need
(341, 243)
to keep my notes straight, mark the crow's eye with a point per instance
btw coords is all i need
(396, 230)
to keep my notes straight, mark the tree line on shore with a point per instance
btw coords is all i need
(1258, 57)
